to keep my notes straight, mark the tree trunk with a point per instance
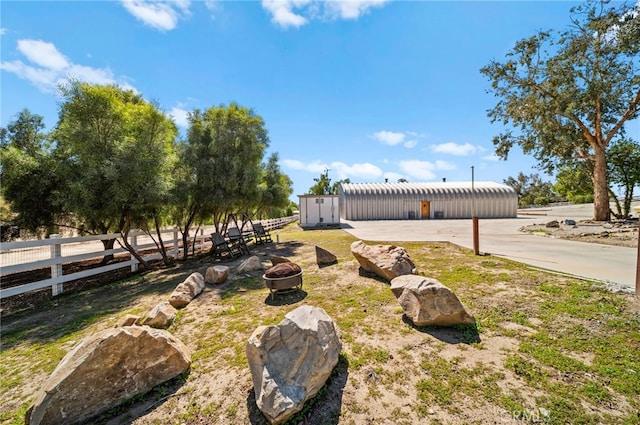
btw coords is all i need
(161, 247)
(108, 244)
(601, 210)
(613, 196)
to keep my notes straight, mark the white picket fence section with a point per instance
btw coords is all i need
(16, 257)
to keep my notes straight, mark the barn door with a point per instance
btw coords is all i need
(425, 210)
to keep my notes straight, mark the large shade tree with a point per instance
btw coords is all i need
(568, 94)
(119, 152)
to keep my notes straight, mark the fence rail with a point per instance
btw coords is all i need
(19, 257)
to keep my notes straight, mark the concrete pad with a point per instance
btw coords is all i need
(615, 266)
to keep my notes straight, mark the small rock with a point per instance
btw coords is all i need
(216, 274)
(324, 257)
(552, 224)
(161, 316)
(277, 260)
(249, 265)
(128, 320)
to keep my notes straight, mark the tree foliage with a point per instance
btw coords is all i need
(531, 189)
(220, 165)
(275, 188)
(573, 183)
(624, 172)
(30, 175)
(119, 152)
(323, 185)
(567, 95)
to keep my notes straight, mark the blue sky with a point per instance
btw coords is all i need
(369, 89)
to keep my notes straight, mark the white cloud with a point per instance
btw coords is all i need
(337, 170)
(162, 16)
(452, 148)
(3, 31)
(312, 167)
(213, 6)
(392, 138)
(295, 13)
(424, 170)
(42, 53)
(282, 12)
(180, 116)
(47, 68)
(351, 9)
(389, 137)
(358, 171)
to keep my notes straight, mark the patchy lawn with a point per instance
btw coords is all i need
(545, 348)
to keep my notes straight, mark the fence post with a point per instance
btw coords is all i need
(134, 245)
(176, 248)
(56, 269)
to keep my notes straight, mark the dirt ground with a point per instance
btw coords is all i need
(375, 381)
(617, 233)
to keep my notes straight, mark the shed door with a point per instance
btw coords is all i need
(425, 210)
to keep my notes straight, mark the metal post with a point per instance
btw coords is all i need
(474, 218)
(56, 269)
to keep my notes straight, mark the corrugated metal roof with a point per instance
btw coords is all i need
(451, 188)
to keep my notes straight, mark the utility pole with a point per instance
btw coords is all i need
(474, 217)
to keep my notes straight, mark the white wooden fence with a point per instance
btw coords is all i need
(16, 257)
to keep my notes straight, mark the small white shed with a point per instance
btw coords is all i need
(319, 210)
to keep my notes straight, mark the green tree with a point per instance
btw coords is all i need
(119, 152)
(531, 189)
(275, 188)
(220, 166)
(624, 172)
(323, 185)
(573, 182)
(569, 94)
(31, 181)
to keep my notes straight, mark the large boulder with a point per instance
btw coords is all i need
(250, 264)
(216, 274)
(161, 316)
(427, 302)
(386, 261)
(187, 290)
(291, 361)
(324, 257)
(105, 369)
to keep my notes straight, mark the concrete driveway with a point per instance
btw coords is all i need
(615, 266)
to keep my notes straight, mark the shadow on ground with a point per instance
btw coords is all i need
(458, 334)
